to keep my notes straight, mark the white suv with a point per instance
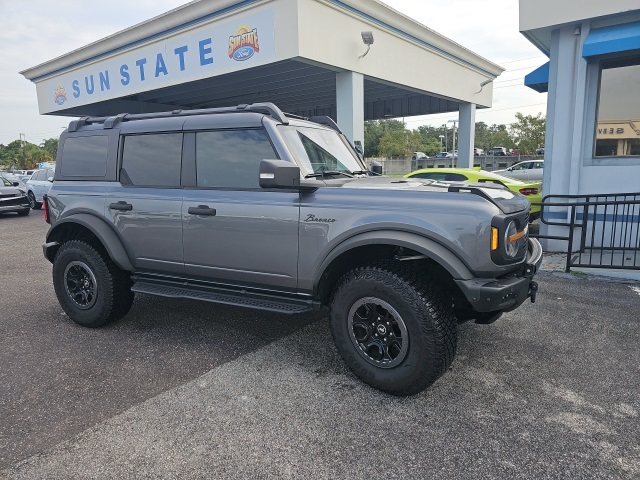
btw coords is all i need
(39, 184)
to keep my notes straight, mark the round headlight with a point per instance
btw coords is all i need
(510, 245)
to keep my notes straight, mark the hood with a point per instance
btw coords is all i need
(11, 192)
(505, 199)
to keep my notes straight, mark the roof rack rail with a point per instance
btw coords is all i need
(111, 121)
(325, 120)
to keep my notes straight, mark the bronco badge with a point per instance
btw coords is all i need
(312, 218)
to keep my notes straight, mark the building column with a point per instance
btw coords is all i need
(466, 135)
(563, 137)
(350, 105)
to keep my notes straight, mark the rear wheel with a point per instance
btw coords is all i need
(393, 327)
(91, 289)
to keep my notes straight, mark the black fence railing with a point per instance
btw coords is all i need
(602, 230)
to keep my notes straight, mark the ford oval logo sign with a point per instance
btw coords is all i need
(243, 53)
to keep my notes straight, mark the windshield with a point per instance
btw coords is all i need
(318, 150)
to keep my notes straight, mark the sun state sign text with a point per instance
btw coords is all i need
(201, 52)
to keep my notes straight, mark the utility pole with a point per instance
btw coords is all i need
(446, 142)
(23, 138)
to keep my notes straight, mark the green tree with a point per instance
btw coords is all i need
(23, 155)
(432, 134)
(415, 142)
(528, 132)
(501, 138)
(50, 145)
(373, 132)
(483, 136)
(393, 143)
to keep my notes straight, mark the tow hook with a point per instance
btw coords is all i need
(533, 291)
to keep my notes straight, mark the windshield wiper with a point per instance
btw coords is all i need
(327, 173)
(364, 172)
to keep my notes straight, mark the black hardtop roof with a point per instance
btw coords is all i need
(265, 108)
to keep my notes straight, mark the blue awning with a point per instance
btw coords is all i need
(614, 39)
(538, 79)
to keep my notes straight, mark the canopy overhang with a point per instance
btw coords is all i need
(187, 58)
(616, 39)
(538, 79)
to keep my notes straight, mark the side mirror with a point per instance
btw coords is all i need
(50, 179)
(510, 169)
(357, 145)
(279, 174)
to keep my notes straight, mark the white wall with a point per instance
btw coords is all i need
(536, 14)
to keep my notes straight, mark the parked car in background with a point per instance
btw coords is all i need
(478, 152)
(13, 178)
(531, 190)
(419, 156)
(39, 184)
(498, 152)
(13, 198)
(443, 155)
(23, 175)
(540, 151)
(529, 170)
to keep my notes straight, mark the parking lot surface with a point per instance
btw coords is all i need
(182, 389)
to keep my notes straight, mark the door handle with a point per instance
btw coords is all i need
(202, 210)
(121, 205)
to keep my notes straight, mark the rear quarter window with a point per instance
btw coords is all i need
(85, 156)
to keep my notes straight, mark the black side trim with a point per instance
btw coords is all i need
(241, 298)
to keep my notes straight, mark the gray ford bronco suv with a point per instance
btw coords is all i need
(248, 206)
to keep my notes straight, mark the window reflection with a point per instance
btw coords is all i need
(618, 128)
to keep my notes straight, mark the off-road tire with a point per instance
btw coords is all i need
(91, 289)
(426, 312)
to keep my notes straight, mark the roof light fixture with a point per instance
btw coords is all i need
(367, 38)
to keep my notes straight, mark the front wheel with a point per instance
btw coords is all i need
(91, 289)
(393, 327)
(32, 201)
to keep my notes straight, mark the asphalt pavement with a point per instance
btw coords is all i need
(184, 389)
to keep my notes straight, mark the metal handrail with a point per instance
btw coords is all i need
(614, 213)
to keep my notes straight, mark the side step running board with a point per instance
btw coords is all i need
(240, 299)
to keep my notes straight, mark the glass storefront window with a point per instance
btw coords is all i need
(618, 127)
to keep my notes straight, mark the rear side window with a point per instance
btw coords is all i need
(231, 158)
(85, 156)
(152, 160)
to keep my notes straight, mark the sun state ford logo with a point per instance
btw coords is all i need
(244, 44)
(59, 95)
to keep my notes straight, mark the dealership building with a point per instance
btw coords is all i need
(593, 109)
(353, 60)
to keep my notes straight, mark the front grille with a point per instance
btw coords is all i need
(11, 201)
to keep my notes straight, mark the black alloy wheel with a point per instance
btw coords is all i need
(81, 285)
(378, 332)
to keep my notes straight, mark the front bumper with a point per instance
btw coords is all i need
(507, 293)
(12, 204)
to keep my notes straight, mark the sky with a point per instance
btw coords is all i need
(36, 31)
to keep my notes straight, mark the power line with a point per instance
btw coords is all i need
(484, 110)
(523, 59)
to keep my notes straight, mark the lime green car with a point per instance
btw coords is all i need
(532, 190)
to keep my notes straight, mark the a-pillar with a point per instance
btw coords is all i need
(466, 135)
(350, 105)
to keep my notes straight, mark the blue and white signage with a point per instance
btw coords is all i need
(201, 52)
